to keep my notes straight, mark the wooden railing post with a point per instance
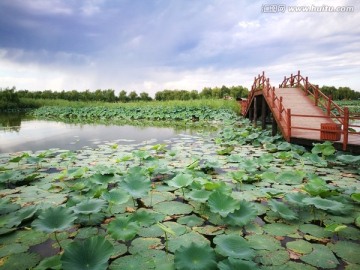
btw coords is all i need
(298, 79)
(346, 128)
(316, 94)
(306, 86)
(280, 108)
(273, 97)
(291, 80)
(289, 123)
(328, 105)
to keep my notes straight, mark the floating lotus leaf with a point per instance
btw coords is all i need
(145, 217)
(335, 227)
(92, 253)
(350, 233)
(325, 204)
(280, 229)
(173, 208)
(196, 256)
(123, 228)
(84, 233)
(7, 207)
(31, 237)
(275, 258)
(119, 249)
(299, 246)
(90, 220)
(296, 198)
(232, 263)
(142, 245)
(290, 177)
(54, 219)
(156, 259)
(263, 241)
(326, 148)
(20, 261)
(199, 195)
(314, 230)
(89, 206)
(348, 159)
(209, 230)
(222, 204)
(316, 160)
(117, 196)
(181, 180)
(348, 251)
(53, 262)
(233, 245)
(191, 220)
(242, 216)
(235, 158)
(282, 209)
(357, 221)
(12, 249)
(136, 185)
(321, 256)
(318, 187)
(356, 197)
(186, 239)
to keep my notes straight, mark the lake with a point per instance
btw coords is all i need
(21, 133)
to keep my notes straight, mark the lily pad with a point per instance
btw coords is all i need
(290, 177)
(191, 220)
(233, 245)
(185, 240)
(348, 251)
(242, 216)
(20, 261)
(280, 229)
(232, 263)
(54, 219)
(222, 204)
(92, 253)
(173, 208)
(276, 258)
(263, 241)
(196, 257)
(282, 209)
(299, 246)
(123, 228)
(321, 256)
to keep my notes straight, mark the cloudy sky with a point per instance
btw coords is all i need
(151, 45)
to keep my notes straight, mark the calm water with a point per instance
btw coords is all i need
(20, 134)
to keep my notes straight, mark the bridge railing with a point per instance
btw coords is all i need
(333, 111)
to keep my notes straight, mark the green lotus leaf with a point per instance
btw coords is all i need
(20, 261)
(54, 220)
(280, 229)
(357, 221)
(145, 217)
(198, 195)
(117, 196)
(181, 180)
(290, 177)
(335, 227)
(142, 246)
(348, 251)
(282, 209)
(299, 246)
(296, 198)
(232, 263)
(173, 208)
(123, 228)
(89, 206)
(318, 187)
(348, 159)
(186, 239)
(53, 262)
(355, 197)
(316, 160)
(274, 258)
(209, 230)
(191, 220)
(321, 256)
(7, 207)
(263, 241)
(87, 232)
(326, 148)
(92, 253)
(225, 151)
(235, 158)
(12, 249)
(222, 203)
(136, 185)
(233, 245)
(350, 233)
(314, 230)
(325, 204)
(195, 257)
(132, 262)
(242, 216)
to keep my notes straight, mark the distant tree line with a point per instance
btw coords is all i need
(341, 93)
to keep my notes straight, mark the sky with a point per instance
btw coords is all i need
(152, 45)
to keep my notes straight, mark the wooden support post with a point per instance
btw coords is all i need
(291, 80)
(273, 97)
(298, 79)
(306, 86)
(255, 111)
(263, 113)
(346, 128)
(273, 126)
(288, 113)
(328, 106)
(280, 108)
(316, 94)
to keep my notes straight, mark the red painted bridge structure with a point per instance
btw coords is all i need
(303, 114)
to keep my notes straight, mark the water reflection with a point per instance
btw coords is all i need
(25, 134)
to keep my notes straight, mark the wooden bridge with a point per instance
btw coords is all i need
(303, 114)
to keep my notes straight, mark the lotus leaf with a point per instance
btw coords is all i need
(242, 216)
(173, 208)
(290, 177)
(54, 219)
(198, 195)
(282, 209)
(276, 258)
(335, 227)
(191, 220)
(321, 256)
(20, 261)
(209, 230)
(280, 229)
(186, 239)
(263, 241)
(296, 198)
(222, 203)
(299, 246)
(142, 245)
(116, 196)
(196, 256)
(12, 249)
(92, 253)
(145, 217)
(181, 180)
(350, 233)
(7, 207)
(233, 245)
(349, 251)
(326, 148)
(356, 197)
(123, 228)
(318, 187)
(136, 185)
(232, 263)
(348, 159)
(325, 204)
(53, 262)
(89, 206)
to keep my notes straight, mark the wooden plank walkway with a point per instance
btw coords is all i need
(298, 113)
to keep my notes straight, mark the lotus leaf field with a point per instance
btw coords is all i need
(239, 199)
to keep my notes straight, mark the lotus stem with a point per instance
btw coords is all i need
(57, 240)
(166, 244)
